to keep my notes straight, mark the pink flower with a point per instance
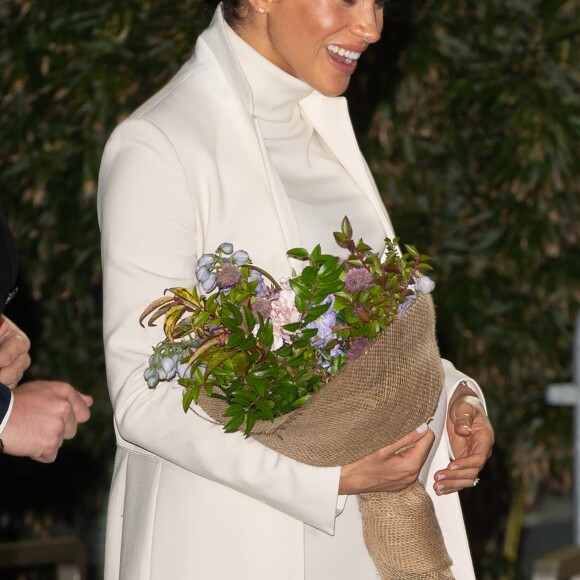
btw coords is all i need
(357, 279)
(262, 306)
(283, 312)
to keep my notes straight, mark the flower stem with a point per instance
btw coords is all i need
(264, 273)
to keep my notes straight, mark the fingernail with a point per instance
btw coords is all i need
(454, 467)
(440, 488)
(440, 477)
(422, 428)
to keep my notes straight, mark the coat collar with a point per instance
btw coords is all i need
(213, 48)
(218, 67)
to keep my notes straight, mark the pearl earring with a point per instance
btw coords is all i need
(261, 10)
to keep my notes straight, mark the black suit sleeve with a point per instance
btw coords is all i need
(5, 398)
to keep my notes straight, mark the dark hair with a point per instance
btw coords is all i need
(234, 10)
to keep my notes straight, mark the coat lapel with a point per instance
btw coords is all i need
(329, 116)
(331, 119)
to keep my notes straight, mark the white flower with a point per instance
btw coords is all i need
(283, 312)
(424, 285)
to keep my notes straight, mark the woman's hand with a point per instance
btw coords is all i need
(390, 469)
(14, 357)
(471, 437)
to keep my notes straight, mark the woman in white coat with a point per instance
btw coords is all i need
(249, 144)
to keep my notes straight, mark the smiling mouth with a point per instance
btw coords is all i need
(342, 55)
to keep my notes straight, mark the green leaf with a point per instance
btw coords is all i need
(324, 289)
(200, 318)
(346, 227)
(298, 254)
(355, 262)
(230, 323)
(362, 247)
(266, 333)
(235, 410)
(266, 409)
(234, 311)
(316, 253)
(330, 269)
(296, 361)
(191, 395)
(340, 239)
(315, 312)
(249, 317)
(301, 401)
(236, 338)
(234, 423)
(248, 343)
(300, 289)
(250, 422)
(301, 303)
(308, 275)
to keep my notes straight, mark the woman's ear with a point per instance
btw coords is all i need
(260, 6)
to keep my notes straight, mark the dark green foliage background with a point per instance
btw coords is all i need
(469, 113)
(477, 154)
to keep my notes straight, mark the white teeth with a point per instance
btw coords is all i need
(351, 55)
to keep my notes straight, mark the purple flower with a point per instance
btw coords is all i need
(240, 257)
(335, 351)
(225, 248)
(261, 287)
(410, 300)
(206, 260)
(229, 275)
(357, 347)
(209, 283)
(202, 274)
(357, 279)
(324, 324)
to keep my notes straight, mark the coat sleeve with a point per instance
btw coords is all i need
(452, 379)
(149, 234)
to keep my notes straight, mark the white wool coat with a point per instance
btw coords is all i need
(184, 173)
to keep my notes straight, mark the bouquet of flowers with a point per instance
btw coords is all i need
(326, 367)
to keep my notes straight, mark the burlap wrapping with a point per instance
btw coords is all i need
(388, 391)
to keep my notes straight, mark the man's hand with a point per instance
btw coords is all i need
(14, 357)
(44, 413)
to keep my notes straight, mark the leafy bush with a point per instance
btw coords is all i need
(477, 154)
(70, 73)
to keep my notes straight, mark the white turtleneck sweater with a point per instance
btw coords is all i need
(321, 192)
